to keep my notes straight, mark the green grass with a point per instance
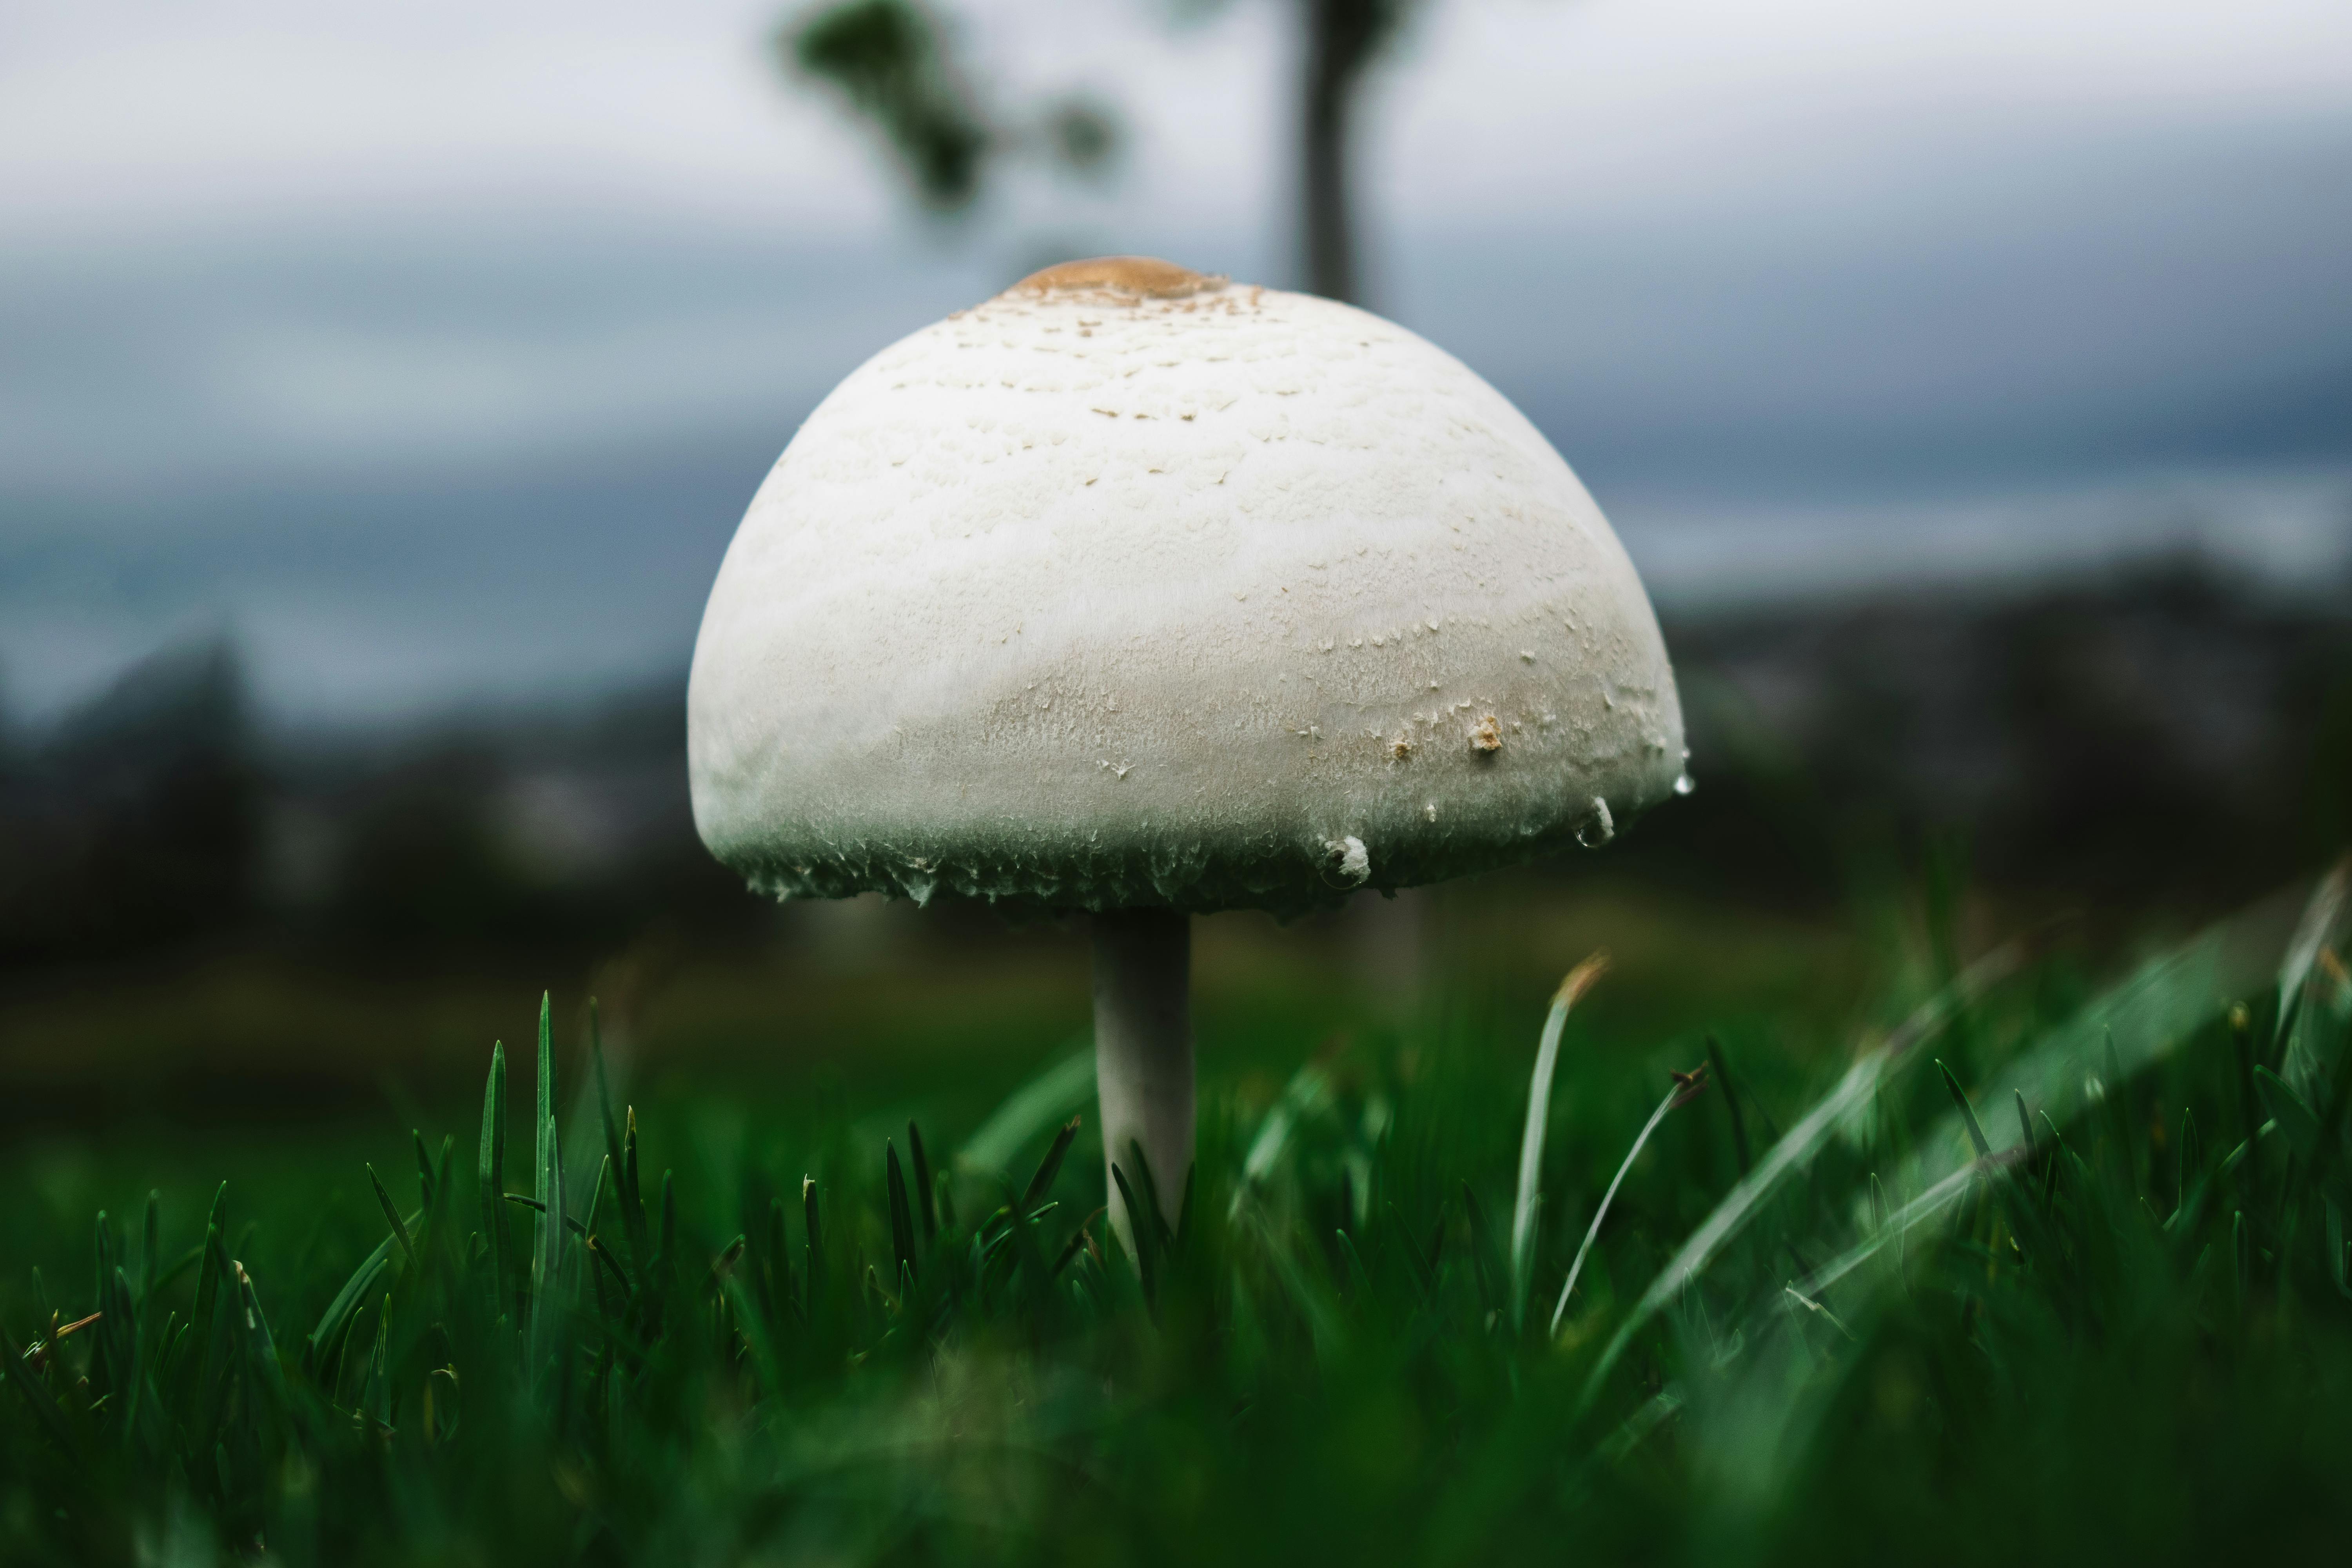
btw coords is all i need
(2026, 1262)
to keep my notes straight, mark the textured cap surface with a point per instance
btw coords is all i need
(1136, 587)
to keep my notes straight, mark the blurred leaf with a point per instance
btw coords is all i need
(1049, 1098)
(1083, 133)
(888, 59)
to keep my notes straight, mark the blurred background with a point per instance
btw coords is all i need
(380, 387)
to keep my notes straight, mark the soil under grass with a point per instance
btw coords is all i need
(2039, 1257)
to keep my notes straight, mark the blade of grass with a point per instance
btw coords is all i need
(1681, 1094)
(1359, 1278)
(1531, 1138)
(902, 1217)
(1078, 1241)
(1934, 1201)
(339, 1312)
(1307, 1094)
(1307, 1292)
(1484, 1267)
(1968, 1112)
(36, 1394)
(114, 1337)
(813, 1224)
(547, 1266)
(1154, 1209)
(1050, 1166)
(391, 1217)
(603, 1255)
(424, 1169)
(925, 1207)
(665, 1267)
(1060, 1089)
(490, 1170)
(2320, 914)
(1029, 1260)
(1795, 1150)
(1422, 1273)
(179, 1266)
(375, 1392)
(2127, 1028)
(260, 1346)
(2340, 1094)
(2191, 1150)
(604, 1121)
(207, 1276)
(2130, 1027)
(1722, 1072)
(1146, 1237)
(150, 1243)
(753, 1329)
(633, 1203)
(597, 1185)
(435, 1232)
(545, 1164)
(575, 1227)
(779, 1284)
(2294, 1117)
(217, 1379)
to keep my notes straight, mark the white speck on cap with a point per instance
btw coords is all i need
(958, 537)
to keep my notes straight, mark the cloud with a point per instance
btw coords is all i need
(433, 349)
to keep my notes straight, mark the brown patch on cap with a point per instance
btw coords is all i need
(1488, 737)
(1143, 276)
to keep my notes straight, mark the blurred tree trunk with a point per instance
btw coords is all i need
(895, 68)
(1343, 37)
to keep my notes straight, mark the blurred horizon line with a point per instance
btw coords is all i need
(2280, 537)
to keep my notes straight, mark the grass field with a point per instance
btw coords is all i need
(1942, 1249)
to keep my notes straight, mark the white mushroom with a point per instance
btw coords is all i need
(1141, 593)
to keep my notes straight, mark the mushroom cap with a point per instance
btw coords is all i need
(1137, 587)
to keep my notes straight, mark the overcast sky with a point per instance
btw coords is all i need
(433, 349)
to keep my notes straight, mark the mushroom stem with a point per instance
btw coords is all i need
(1143, 1053)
